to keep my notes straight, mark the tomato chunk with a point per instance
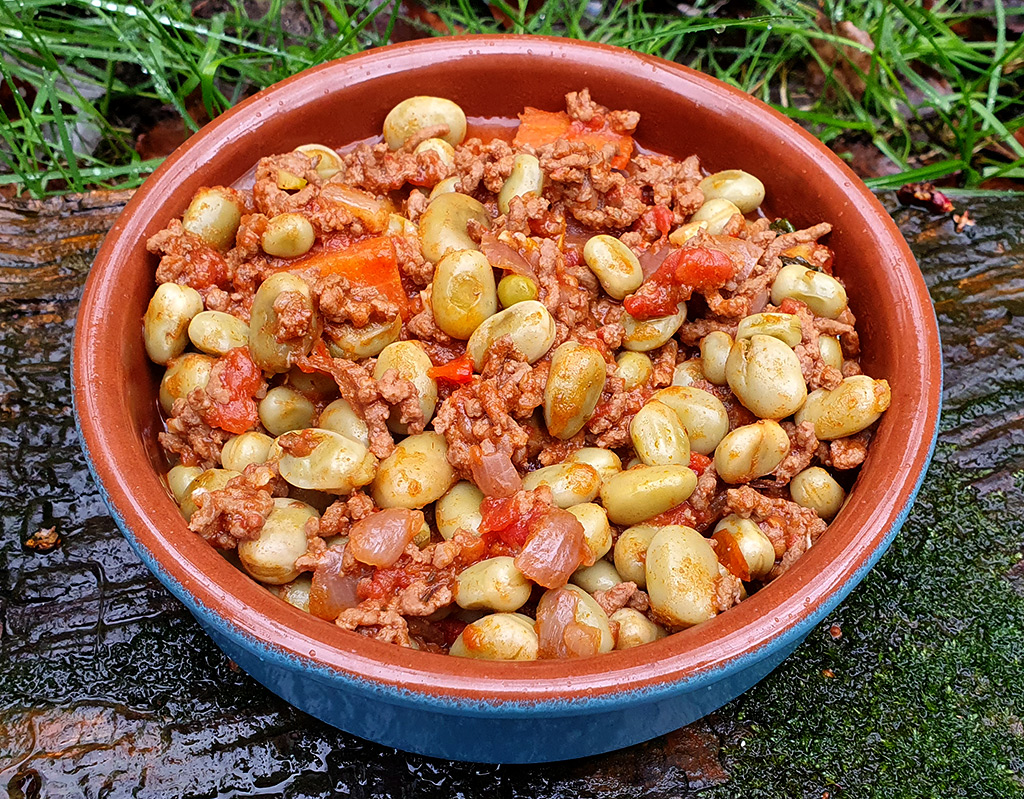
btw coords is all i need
(699, 462)
(680, 274)
(241, 379)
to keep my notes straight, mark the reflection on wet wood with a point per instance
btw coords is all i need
(107, 686)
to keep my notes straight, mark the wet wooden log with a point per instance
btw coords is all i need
(108, 687)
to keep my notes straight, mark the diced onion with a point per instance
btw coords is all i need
(381, 538)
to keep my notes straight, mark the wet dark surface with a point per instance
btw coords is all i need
(911, 688)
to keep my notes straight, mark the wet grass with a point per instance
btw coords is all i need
(82, 78)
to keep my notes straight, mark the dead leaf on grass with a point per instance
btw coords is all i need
(846, 64)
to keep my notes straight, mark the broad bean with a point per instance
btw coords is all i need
(216, 332)
(575, 382)
(816, 489)
(854, 405)
(267, 352)
(822, 293)
(529, 324)
(414, 114)
(616, 267)
(498, 636)
(284, 409)
(443, 226)
(415, 474)
(702, 415)
(335, 464)
(411, 361)
(642, 493)
(751, 451)
(492, 584)
(765, 375)
(658, 436)
(649, 334)
(166, 321)
(463, 293)
(570, 483)
(525, 180)
(271, 557)
(682, 572)
(740, 188)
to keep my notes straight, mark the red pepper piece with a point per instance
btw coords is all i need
(459, 370)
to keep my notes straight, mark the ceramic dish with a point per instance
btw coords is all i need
(480, 710)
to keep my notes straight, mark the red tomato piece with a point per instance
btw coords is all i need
(241, 378)
(699, 462)
(679, 275)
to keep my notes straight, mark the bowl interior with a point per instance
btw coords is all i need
(681, 113)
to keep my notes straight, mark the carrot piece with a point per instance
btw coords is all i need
(367, 263)
(538, 127)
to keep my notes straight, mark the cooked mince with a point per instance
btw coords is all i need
(515, 391)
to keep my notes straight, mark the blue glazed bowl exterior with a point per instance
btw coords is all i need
(472, 710)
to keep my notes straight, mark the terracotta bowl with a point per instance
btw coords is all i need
(487, 711)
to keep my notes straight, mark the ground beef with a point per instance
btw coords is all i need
(231, 514)
(561, 290)
(670, 183)
(416, 204)
(476, 163)
(581, 107)
(299, 443)
(691, 333)
(791, 528)
(187, 259)
(663, 361)
(402, 395)
(522, 384)
(759, 233)
(608, 426)
(357, 387)
(293, 318)
(816, 372)
(428, 588)
(803, 448)
(591, 190)
(553, 450)
(191, 438)
(703, 495)
(342, 512)
(340, 302)
(785, 241)
(411, 263)
(488, 408)
(379, 170)
(375, 620)
(284, 169)
(621, 596)
(845, 453)
(728, 591)
(528, 215)
(422, 325)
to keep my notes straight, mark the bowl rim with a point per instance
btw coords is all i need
(779, 615)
